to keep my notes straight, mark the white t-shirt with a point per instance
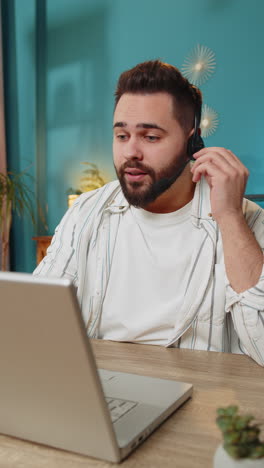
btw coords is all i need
(148, 277)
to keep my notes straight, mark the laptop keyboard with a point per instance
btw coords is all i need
(118, 408)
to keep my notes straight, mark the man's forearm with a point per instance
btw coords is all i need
(242, 254)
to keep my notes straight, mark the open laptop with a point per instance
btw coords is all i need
(51, 391)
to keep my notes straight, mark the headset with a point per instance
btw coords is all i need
(195, 142)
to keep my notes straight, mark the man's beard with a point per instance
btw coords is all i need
(140, 194)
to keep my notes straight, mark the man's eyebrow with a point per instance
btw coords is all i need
(140, 125)
(150, 125)
(119, 124)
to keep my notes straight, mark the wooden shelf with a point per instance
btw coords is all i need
(43, 243)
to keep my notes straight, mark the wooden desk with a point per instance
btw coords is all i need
(189, 437)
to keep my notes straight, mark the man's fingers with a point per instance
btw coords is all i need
(214, 158)
(222, 158)
(209, 168)
(214, 150)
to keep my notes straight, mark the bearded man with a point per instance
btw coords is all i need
(170, 253)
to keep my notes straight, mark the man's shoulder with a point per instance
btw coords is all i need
(99, 197)
(252, 211)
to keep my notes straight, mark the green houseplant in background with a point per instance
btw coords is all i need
(90, 179)
(15, 196)
(241, 446)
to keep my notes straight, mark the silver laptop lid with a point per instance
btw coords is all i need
(44, 396)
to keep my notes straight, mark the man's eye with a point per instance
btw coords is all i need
(121, 136)
(152, 138)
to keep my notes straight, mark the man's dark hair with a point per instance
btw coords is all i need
(155, 76)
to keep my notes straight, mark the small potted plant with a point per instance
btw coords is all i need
(241, 446)
(91, 179)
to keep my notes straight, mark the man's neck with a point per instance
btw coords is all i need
(177, 196)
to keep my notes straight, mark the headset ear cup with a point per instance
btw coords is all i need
(195, 144)
(199, 143)
(190, 148)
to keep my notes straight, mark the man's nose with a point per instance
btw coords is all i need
(132, 149)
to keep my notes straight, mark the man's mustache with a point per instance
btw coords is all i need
(135, 165)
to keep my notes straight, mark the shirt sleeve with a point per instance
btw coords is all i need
(247, 307)
(61, 259)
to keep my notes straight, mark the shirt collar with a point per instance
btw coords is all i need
(201, 207)
(117, 203)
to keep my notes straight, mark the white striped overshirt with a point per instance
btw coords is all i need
(212, 317)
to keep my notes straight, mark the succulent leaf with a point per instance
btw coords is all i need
(241, 438)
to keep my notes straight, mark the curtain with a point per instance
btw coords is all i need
(2, 118)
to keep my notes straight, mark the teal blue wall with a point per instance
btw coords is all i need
(19, 80)
(90, 42)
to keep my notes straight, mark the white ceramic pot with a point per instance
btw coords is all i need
(223, 460)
